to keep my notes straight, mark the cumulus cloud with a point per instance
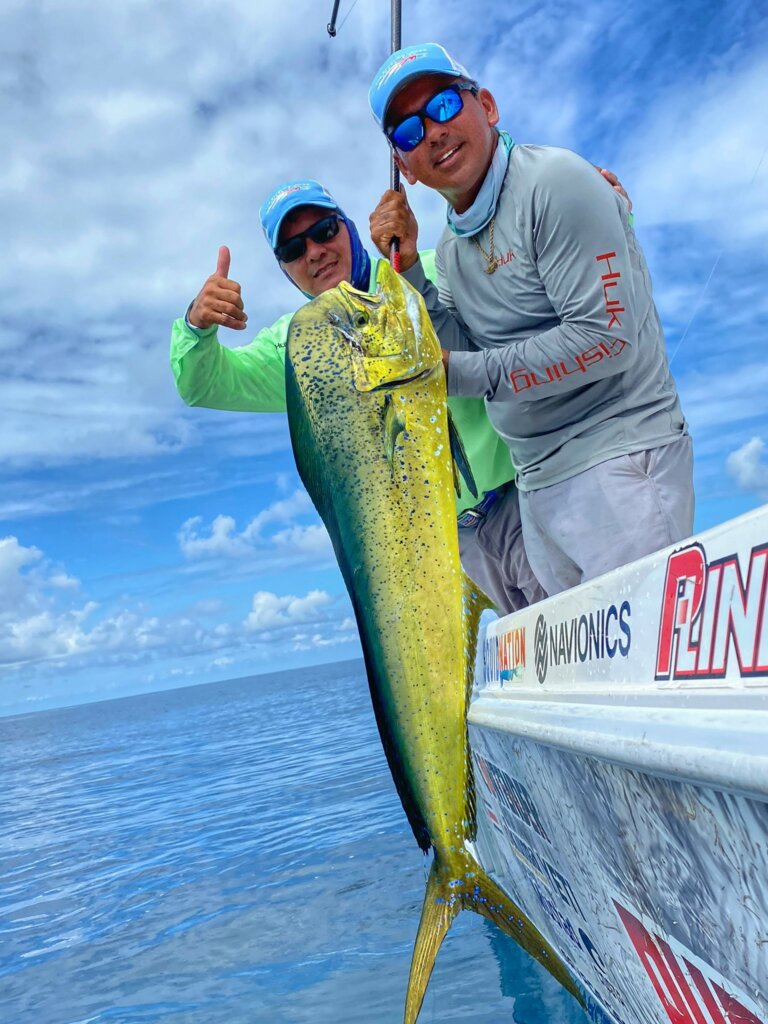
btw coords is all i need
(222, 539)
(344, 632)
(748, 466)
(36, 619)
(272, 612)
(44, 622)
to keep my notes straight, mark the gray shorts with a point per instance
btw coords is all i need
(609, 515)
(493, 555)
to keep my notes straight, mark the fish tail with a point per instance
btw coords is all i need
(489, 899)
(466, 886)
(440, 908)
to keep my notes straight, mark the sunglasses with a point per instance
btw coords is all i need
(321, 231)
(443, 107)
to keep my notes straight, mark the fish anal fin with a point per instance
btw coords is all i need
(460, 458)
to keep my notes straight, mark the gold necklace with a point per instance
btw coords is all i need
(489, 257)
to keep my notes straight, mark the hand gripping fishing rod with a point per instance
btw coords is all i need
(394, 172)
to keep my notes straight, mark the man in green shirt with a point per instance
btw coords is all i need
(317, 246)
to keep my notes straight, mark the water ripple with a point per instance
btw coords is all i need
(226, 854)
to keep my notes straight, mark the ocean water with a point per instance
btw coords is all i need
(228, 854)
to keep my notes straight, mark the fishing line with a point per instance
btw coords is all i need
(354, 5)
(395, 44)
(703, 292)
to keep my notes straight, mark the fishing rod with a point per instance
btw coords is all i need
(395, 44)
(334, 15)
(394, 170)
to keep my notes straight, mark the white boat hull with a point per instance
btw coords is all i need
(619, 735)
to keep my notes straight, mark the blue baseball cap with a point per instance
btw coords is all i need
(403, 66)
(287, 197)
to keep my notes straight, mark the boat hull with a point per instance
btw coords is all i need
(619, 734)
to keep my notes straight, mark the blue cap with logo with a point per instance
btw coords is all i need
(287, 197)
(406, 64)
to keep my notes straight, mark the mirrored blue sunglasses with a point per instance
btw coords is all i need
(295, 246)
(444, 106)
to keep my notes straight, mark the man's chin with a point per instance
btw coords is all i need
(325, 282)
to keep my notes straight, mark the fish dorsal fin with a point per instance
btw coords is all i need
(394, 425)
(460, 459)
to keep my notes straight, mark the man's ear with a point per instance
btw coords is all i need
(488, 103)
(404, 169)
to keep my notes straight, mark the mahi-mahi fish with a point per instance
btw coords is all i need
(377, 452)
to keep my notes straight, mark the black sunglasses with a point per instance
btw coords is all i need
(321, 231)
(442, 107)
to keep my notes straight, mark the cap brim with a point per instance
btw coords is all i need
(293, 203)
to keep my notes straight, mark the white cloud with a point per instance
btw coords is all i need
(36, 619)
(223, 540)
(281, 511)
(748, 467)
(308, 540)
(271, 611)
(45, 624)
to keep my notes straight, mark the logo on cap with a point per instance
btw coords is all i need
(394, 68)
(283, 193)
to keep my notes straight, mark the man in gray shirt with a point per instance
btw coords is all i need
(544, 308)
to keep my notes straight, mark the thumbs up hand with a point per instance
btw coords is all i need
(219, 300)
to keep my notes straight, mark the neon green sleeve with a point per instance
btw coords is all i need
(246, 379)
(252, 379)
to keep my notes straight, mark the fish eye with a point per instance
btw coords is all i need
(361, 318)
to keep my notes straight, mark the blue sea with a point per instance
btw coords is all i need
(228, 854)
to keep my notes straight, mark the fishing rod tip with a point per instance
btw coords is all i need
(331, 30)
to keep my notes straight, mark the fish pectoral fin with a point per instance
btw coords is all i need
(460, 459)
(456, 479)
(439, 909)
(394, 425)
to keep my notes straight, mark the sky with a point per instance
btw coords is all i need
(145, 545)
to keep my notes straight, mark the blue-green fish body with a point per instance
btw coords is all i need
(373, 443)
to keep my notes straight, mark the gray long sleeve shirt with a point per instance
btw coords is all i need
(563, 340)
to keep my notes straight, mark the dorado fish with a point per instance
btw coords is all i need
(377, 452)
